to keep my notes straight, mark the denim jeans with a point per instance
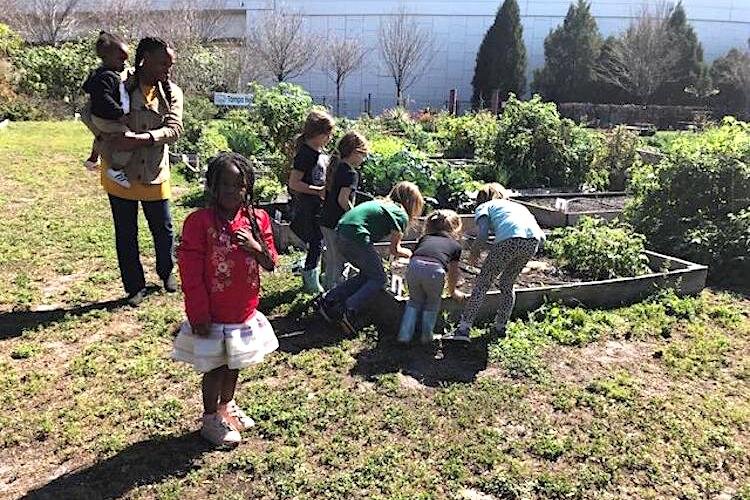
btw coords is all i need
(426, 280)
(356, 292)
(125, 215)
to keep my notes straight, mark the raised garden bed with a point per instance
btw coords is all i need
(550, 212)
(542, 282)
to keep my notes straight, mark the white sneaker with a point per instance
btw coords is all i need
(119, 177)
(218, 432)
(236, 417)
(91, 166)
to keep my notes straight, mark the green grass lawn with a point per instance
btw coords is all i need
(649, 401)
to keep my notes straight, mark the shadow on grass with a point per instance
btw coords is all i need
(143, 463)
(433, 365)
(13, 324)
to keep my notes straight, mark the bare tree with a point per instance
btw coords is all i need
(341, 57)
(124, 17)
(40, 21)
(643, 59)
(406, 49)
(190, 22)
(283, 48)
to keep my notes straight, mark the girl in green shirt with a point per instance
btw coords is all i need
(356, 233)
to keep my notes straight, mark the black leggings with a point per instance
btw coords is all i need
(314, 251)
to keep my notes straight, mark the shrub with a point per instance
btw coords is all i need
(242, 138)
(452, 185)
(380, 173)
(56, 72)
(282, 110)
(695, 202)
(21, 107)
(397, 121)
(199, 111)
(267, 189)
(387, 146)
(468, 136)
(535, 147)
(594, 250)
(616, 156)
(210, 143)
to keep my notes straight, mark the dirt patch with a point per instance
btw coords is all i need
(583, 204)
(542, 271)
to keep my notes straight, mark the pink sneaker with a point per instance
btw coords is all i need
(91, 166)
(235, 416)
(217, 431)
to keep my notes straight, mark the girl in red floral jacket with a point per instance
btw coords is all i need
(223, 247)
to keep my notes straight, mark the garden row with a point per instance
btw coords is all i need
(689, 196)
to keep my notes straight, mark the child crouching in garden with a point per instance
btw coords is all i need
(219, 257)
(436, 256)
(356, 234)
(517, 239)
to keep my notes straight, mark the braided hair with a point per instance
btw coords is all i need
(151, 44)
(218, 166)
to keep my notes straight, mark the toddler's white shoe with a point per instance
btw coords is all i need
(236, 417)
(119, 177)
(217, 431)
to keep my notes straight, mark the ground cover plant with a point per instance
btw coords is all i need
(648, 401)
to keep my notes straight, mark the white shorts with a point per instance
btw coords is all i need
(235, 345)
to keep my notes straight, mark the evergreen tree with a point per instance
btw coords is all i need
(731, 76)
(689, 64)
(501, 60)
(570, 53)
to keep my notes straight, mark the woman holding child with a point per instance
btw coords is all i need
(154, 121)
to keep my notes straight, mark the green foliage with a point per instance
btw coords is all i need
(282, 110)
(570, 53)
(56, 72)
(469, 136)
(198, 112)
(380, 173)
(242, 137)
(210, 142)
(536, 147)
(616, 156)
(386, 146)
(202, 69)
(501, 59)
(731, 76)
(694, 204)
(688, 66)
(10, 41)
(267, 189)
(25, 108)
(594, 250)
(451, 187)
(397, 121)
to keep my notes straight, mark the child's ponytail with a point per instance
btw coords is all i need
(348, 144)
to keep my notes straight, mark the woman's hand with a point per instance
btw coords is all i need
(201, 329)
(247, 241)
(321, 191)
(458, 295)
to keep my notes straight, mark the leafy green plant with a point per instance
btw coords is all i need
(469, 136)
(210, 143)
(282, 110)
(386, 146)
(242, 138)
(397, 121)
(56, 72)
(267, 189)
(536, 147)
(198, 112)
(694, 204)
(594, 250)
(452, 185)
(615, 158)
(380, 173)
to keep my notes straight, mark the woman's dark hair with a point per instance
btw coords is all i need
(151, 44)
(218, 166)
(106, 41)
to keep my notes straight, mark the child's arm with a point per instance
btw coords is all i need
(453, 274)
(483, 233)
(296, 184)
(396, 249)
(344, 201)
(191, 259)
